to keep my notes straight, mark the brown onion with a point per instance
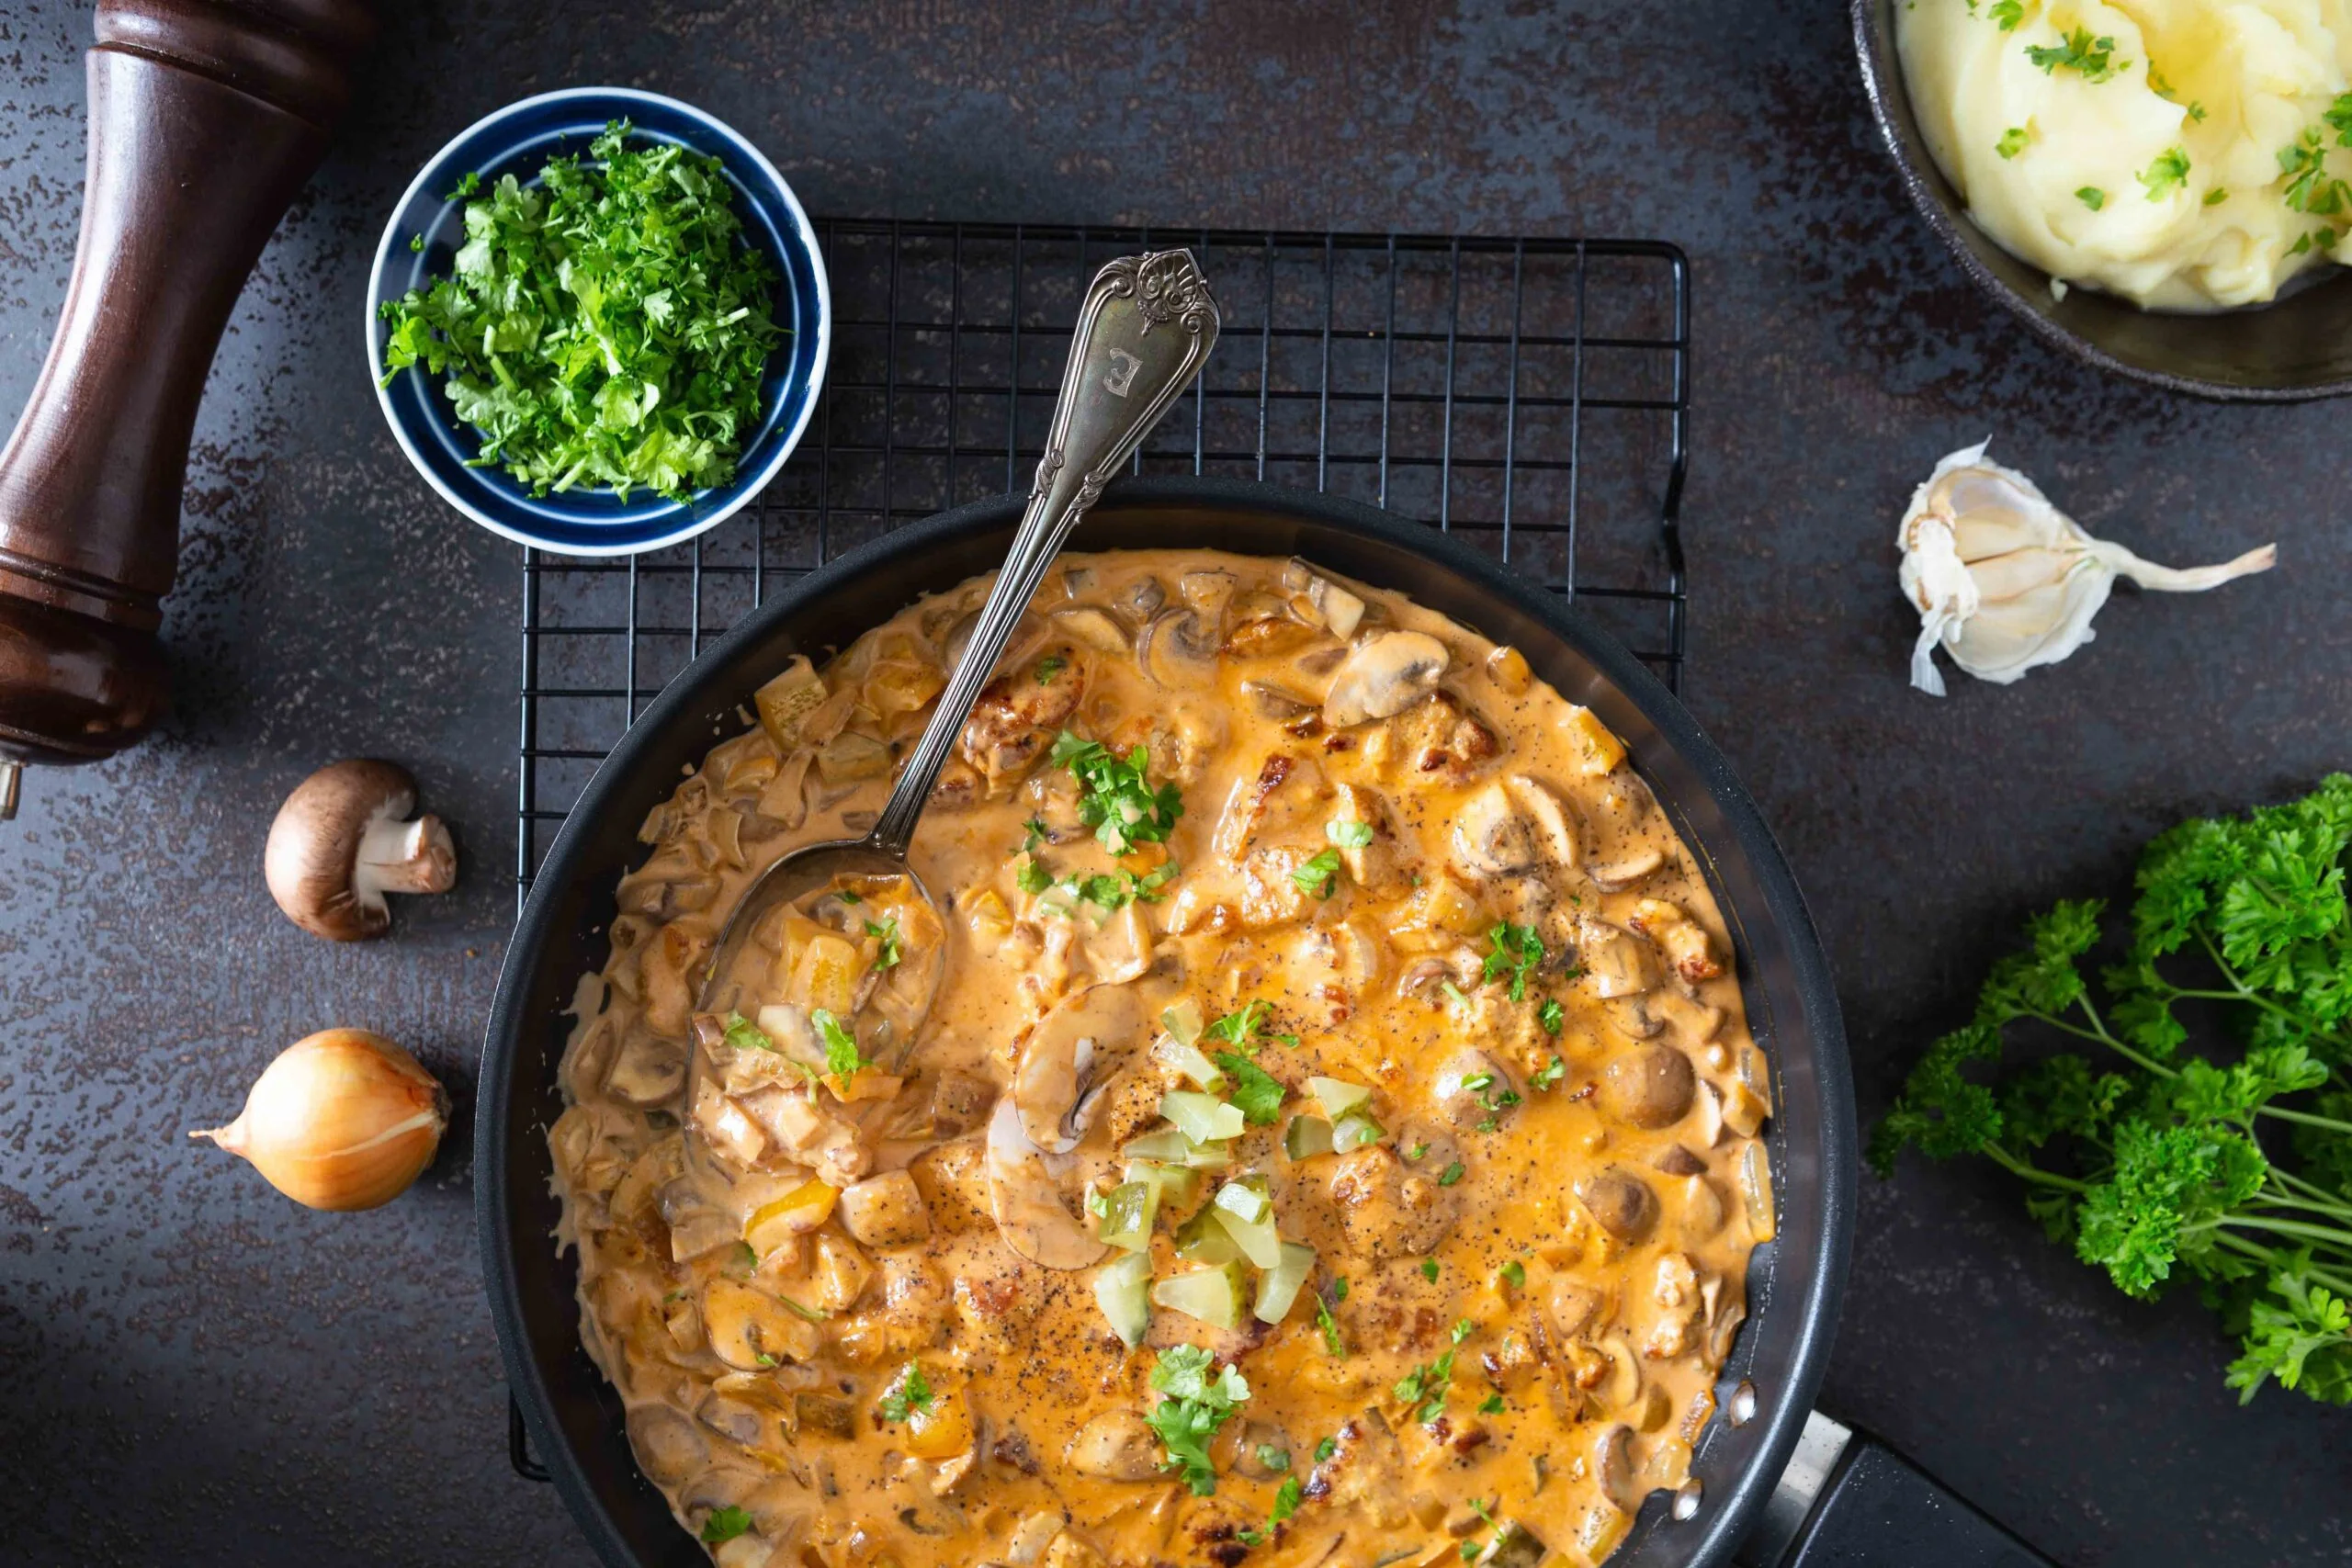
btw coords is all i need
(343, 1119)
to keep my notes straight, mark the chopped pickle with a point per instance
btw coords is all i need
(1123, 1290)
(1127, 1213)
(1216, 1295)
(1306, 1137)
(1279, 1286)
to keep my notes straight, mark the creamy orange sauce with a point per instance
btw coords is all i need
(858, 1320)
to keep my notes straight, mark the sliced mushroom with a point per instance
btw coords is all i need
(1383, 676)
(1618, 874)
(1073, 1050)
(1675, 1160)
(1176, 648)
(1333, 605)
(1621, 1202)
(1557, 833)
(1093, 628)
(1649, 1087)
(666, 1444)
(1209, 591)
(645, 1071)
(1118, 1445)
(1142, 598)
(1569, 1307)
(1612, 1466)
(1273, 701)
(1632, 1017)
(1491, 838)
(343, 841)
(1027, 1203)
(1470, 1089)
(1619, 963)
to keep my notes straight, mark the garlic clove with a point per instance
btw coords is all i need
(341, 1120)
(2004, 582)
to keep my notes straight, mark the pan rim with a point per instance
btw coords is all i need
(1814, 1283)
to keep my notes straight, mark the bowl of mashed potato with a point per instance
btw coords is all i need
(2162, 187)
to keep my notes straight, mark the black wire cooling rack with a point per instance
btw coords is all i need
(1530, 396)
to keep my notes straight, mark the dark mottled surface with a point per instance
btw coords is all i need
(194, 1370)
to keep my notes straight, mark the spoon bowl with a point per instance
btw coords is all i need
(1143, 330)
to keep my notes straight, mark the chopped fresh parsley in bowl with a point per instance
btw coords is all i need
(598, 321)
(605, 324)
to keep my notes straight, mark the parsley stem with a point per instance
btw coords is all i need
(2270, 1257)
(2027, 1171)
(2304, 1118)
(2329, 1236)
(2312, 1188)
(2277, 1200)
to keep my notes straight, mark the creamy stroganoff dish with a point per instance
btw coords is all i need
(1319, 1125)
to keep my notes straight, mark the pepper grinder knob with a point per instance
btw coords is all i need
(205, 118)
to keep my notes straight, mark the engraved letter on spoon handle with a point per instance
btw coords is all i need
(1146, 328)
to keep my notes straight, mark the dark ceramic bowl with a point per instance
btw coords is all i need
(423, 237)
(2293, 350)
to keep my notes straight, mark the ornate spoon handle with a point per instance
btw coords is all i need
(1143, 333)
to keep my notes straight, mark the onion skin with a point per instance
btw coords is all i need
(342, 1119)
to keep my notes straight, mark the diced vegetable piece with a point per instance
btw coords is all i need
(1123, 1290)
(1202, 1118)
(1306, 1137)
(1245, 1199)
(1202, 1239)
(941, 1429)
(1278, 1287)
(1216, 1296)
(784, 701)
(1756, 1191)
(1188, 1060)
(1256, 1239)
(1127, 1214)
(1338, 1095)
(1354, 1130)
(795, 1214)
(1160, 1144)
(1214, 1155)
(1183, 1021)
(1175, 1186)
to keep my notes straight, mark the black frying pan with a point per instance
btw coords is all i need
(574, 1419)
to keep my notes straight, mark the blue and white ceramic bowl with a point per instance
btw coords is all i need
(518, 140)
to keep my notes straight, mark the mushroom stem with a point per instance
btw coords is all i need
(404, 857)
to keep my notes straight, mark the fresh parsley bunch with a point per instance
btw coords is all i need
(2151, 1157)
(606, 326)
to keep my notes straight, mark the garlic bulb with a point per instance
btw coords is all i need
(343, 1119)
(2005, 581)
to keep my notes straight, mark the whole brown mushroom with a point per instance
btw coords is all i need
(343, 839)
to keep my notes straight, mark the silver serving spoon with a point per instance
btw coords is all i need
(1144, 330)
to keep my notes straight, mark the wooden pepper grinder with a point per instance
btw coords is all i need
(205, 118)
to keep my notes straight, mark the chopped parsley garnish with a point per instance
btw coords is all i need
(1492, 1406)
(725, 1524)
(1241, 1028)
(1449, 1175)
(1116, 799)
(912, 1393)
(2006, 13)
(1049, 667)
(1273, 1459)
(1193, 1404)
(1454, 993)
(2012, 142)
(2217, 196)
(1287, 1496)
(2169, 171)
(1428, 1270)
(745, 1035)
(841, 1058)
(798, 1310)
(1317, 875)
(1426, 1385)
(2092, 57)
(886, 931)
(1325, 1450)
(1347, 835)
(1416, 1152)
(2339, 117)
(765, 1360)
(2309, 188)
(1514, 1274)
(1549, 1074)
(1514, 950)
(1036, 830)
(2091, 197)
(605, 326)
(1033, 877)
(1257, 1093)
(1324, 1302)
(847, 896)
(1552, 1016)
